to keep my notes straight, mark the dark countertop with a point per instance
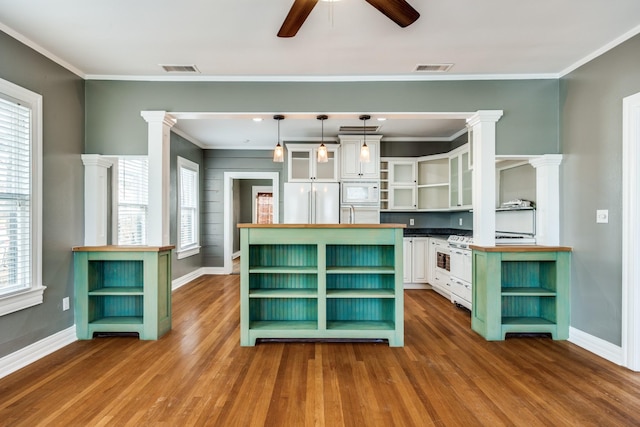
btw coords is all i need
(435, 232)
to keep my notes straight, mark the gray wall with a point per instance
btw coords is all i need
(517, 183)
(63, 198)
(591, 117)
(216, 163)
(529, 124)
(186, 149)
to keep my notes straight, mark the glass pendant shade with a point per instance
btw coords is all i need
(364, 153)
(322, 154)
(278, 152)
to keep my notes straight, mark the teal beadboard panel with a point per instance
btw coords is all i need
(529, 274)
(360, 256)
(115, 274)
(115, 306)
(282, 281)
(360, 281)
(272, 309)
(283, 255)
(360, 309)
(529, 306)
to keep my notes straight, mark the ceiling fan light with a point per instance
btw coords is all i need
(364, 153)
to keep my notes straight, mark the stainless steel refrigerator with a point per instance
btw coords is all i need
(311, 203)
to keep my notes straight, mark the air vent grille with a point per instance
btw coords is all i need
(180, 68)
(359, 129)
(433, 68)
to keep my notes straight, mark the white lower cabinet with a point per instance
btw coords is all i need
(416, 263)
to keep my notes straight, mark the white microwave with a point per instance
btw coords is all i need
(360, 193)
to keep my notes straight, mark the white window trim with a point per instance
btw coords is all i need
(184, 252)
(35, 294)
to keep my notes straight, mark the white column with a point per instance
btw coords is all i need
(483, 152)
(547, 199)
(95, 199)
(159, 125)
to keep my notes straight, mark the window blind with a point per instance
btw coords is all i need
(15, 196)
(188, 207)
(133, 201)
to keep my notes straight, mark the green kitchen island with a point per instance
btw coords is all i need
(321, 281)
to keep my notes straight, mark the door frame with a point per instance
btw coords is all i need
(228, 207)
(630, 232)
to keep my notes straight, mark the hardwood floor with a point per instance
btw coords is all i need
(446, 375)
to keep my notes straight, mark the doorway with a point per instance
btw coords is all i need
(230, 215)
(630, 232)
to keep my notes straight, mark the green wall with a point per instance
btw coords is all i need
(179, 146)
(529, 124)
(591, 112)
(63, 198)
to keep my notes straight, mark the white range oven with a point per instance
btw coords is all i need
(442, 267)
(461, 270)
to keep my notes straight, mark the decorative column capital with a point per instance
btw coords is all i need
(546, 160)
(485, 116)
(158, 116)
(96, 160)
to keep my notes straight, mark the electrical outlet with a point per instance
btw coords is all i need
(602, 216)
(411, 222)
(65, 303)
(459, 221)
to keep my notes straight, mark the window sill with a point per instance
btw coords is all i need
(21, 300)
(184, 253)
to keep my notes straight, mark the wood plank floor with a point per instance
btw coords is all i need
(198, 374)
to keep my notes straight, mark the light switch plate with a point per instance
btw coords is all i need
(602, 216)
(411, 222)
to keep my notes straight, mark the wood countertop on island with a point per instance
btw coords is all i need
(521, 248)
(322, 226)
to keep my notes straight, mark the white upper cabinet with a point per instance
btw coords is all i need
(352, 167)
(303, 166)
(460, 179)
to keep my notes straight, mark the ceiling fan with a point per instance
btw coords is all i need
(399, 11)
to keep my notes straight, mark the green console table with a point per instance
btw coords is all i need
(122, 289)
(521, 289)
(334, 281)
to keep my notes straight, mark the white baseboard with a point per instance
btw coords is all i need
(416, 286)
(235, 255)
(29, 354)
(213, 270)
(181, 281)
(595, 345)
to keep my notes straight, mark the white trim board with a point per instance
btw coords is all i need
(33, 352)
(595, 345)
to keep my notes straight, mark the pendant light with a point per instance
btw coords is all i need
(278, 153)
(364, 150)
(322, 150)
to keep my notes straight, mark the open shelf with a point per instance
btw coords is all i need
(345, 286)
(522, 291)
(120, 320)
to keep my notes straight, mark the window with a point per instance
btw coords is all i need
(188, 212)
(132, 200)
(20, 198)
(264, 208)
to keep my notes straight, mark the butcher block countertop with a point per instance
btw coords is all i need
(521, 248)
(321, 225)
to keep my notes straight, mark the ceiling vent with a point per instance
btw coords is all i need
(180, 68)
(433, 68)
(359, 129)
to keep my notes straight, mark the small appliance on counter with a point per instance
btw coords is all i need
(516, 225)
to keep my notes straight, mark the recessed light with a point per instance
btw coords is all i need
(382, 119)
(257, 119)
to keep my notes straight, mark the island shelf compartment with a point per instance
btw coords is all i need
(521, 290)
(347, 284)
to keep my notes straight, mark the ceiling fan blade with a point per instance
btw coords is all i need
(296, 17)
(399, 11)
